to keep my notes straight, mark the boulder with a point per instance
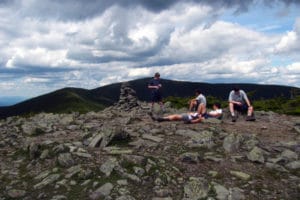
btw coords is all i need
(231, 143)
(196, 188)
(256, 155)
(102, 191)
(65, 160)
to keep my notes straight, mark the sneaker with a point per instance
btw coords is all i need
(161, 119)
(250, 118)
(233, 118)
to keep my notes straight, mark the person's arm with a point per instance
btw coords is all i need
(230, 99)
(198, 120)
(152, 86)
(246, 98)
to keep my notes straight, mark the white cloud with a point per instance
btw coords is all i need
(187, 41)
(289, 43)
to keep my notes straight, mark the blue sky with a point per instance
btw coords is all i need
(48, 45)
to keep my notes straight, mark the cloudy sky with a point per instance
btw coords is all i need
(50, 44)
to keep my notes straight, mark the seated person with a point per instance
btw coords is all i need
(239, 101)
(192, 117)
(197, 101)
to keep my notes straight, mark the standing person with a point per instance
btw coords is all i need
(155, 87)
(239, 101)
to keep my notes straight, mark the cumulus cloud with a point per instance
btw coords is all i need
(289, 43)
(54, 44)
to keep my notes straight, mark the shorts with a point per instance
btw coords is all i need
(185, 118)
(241, 108)
(156, 96)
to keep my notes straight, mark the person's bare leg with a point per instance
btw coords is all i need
(250, 111)
(201, 109)
(231, 108)
(192, 105)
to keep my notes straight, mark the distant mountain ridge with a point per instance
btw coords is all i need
(83, 100)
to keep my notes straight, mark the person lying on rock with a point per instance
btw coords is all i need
(193, 117)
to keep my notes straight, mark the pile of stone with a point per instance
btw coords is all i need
(128, 98)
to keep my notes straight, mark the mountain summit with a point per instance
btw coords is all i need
(68, 100)
(120, 153)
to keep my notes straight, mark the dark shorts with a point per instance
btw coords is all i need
(241, 108)
(185, 118)
(156, 96)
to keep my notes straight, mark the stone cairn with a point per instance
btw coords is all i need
(128, 98)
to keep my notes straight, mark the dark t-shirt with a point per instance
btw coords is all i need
(154, 82)
(155, 93)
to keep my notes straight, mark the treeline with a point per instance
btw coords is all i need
(280, 105)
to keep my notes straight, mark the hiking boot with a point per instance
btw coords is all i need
(233, 118)
(250, 118)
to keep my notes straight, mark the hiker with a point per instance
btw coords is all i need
(155, 87)
(199, 101)
(193, 117)
(239, 101)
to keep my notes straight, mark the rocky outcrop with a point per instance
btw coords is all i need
(120, 153)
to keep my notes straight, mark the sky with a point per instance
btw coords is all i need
(51, 44)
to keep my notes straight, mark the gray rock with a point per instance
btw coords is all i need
(44, 154)
(125, 197)
(241, 175)
(236, 194)
(65, 160)
(221, 191)
(203, 139)
(34, 150)
(186, 133)
(135, 159)
(152, 138)
(72, 171)
(297, 129)
(276, 167)
(190, 157)
(107, 135)
(139, 171)
(102, 191)
(293, 165)
(60, 149)
(82, 154)
(231, 143)
(47, 181)
(256, 155)
(289, 155)
(139, 143)
(42, 175)
(196, 188)
(251, 143)
(59, 197)
(212, 121)
(108, 167)
(16, 194)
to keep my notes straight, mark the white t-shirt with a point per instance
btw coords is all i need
(201, 99)
(215, 112)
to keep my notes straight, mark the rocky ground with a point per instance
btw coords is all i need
(120, 153)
